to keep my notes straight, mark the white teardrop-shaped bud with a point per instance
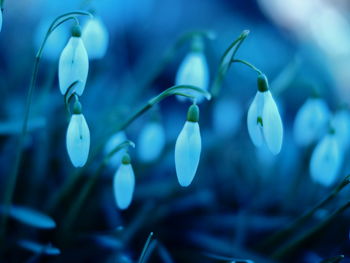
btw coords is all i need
(326, 161)
(151, 142)
(95, 37)
(341, 124)
(263, 120)
(124, 183)
(188, 148)
(113, 142)
(73, 66)
(78, 140)
(193, 71)
(311, 121)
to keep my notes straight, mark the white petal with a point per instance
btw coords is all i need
(78, 140)
(311, 121)
(187, 153)
(255, 111)
(124, 184)
(113, 142)
(151, 142)
(73, 66)
(272, 124)
(326, 161)
(193, 71)
(95, 38)
(341, 124)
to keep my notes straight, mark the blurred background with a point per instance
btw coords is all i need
(240, 196)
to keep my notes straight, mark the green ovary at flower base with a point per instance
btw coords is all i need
(264, 121)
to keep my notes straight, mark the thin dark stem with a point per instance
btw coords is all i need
(295, 243)
(247, 64)
(291, 228)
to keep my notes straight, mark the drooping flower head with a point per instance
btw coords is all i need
(326, 160)
(95, 37)
(151, 141)
(124, 183)
(188, 148)
(78, 137)
(264, 121)
(73, 64)
(311, 121)
(194, 70)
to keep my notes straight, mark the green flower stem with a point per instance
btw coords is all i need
(11, 184)
(278, 237)
(2, 4)
(247, 64)
(145, 248)
(79, 202)
(297, 242)
(335, 259)
(226, 62)
(66, 189)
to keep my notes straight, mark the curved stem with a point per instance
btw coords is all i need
(226, 61)
(247, 64)
(14, 174)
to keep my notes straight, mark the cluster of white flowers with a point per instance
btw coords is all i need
(73, 71)
(314, 123)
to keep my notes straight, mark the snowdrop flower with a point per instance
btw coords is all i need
(326, 160)
(73, 64)
(341, 124)
(95, 38)
(188, 148)
(194, 70)
(311, 121)
(151, 142)
(114, 141)
(264, 121)
(124, 183)
(78, 137)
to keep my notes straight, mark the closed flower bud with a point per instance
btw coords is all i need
(78, 140)
(73, 64)
(95, 38)
(124, 183)
(311, 121)
(264, 121)
(188, 148)
(151, 142)
(326, 161)
(0, 20)
(194, 71)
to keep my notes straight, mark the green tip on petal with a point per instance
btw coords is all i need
(126, 159)
(77, 108)
(263, 84)
(197, 44)
(193, 113)
(76, 31)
